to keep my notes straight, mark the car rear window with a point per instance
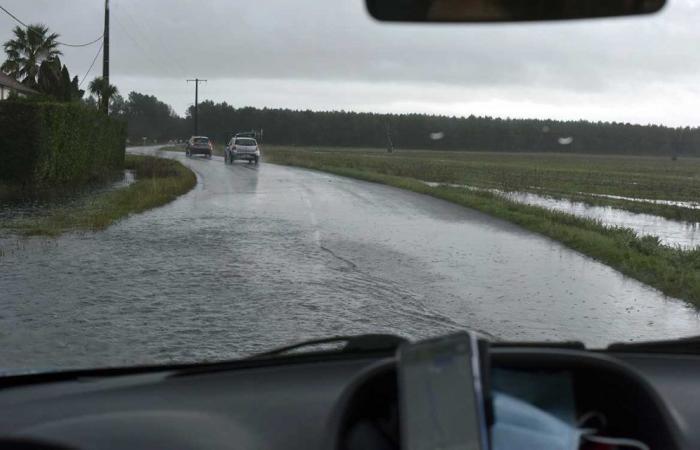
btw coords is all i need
(201, 140)
(245, 141)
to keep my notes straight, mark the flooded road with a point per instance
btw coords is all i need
(254, 258)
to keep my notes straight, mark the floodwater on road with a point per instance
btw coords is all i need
(258, 257)
(68, 197)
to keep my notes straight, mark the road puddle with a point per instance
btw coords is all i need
(39, 203)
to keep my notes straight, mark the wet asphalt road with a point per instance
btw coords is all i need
(254, 258)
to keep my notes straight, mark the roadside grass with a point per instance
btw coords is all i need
(173, 148)
(158, 181)
(671, 270)
(570, 176)
(218, 149)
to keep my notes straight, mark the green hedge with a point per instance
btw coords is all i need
(45, 144)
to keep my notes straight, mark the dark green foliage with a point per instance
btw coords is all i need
(148, 117)
(418, 131)
(54, 82)
(44, 144)
(25, 51)
(158, 181)
(102, 90)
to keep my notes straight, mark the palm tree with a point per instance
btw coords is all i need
(103, 91)
(27, 50)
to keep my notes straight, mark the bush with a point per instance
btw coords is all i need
(46, 144)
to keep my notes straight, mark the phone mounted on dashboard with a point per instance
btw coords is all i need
(445, 393)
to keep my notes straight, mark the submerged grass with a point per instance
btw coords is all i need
(158, 181)
(671, 270)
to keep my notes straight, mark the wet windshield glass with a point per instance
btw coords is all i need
(245, 142)
(529, 181)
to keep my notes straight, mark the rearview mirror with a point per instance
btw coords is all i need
(505, 10)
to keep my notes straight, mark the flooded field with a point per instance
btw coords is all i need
(673, 233)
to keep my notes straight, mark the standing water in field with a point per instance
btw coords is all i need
(670, 232)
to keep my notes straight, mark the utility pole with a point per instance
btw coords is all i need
(105, 61)
(389, 141)
(196, 103)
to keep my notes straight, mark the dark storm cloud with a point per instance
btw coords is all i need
(315, 46)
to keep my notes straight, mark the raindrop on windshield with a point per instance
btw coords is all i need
(566, 140)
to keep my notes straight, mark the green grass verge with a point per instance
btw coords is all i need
(218, 149)
(569, 176)
(158, 181)
(673, 271)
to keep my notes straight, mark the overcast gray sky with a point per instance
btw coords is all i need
(328, 54)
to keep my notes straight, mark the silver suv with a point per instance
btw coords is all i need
(242, 148)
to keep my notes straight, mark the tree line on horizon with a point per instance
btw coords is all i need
(33, 60)
(153, 119)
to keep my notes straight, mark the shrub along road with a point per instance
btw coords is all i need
(158, 181)
(257, 257)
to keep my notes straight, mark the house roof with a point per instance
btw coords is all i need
(8, 81)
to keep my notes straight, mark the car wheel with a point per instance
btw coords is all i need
(257, 160)
(209, 155)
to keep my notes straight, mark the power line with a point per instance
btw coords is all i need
(145, 38)
(91, 65)
(147, 54)
(13, 16)
(82, 45)
(58, 42)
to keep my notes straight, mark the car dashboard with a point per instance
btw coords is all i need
(338, 402)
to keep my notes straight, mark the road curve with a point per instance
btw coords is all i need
(258, 257)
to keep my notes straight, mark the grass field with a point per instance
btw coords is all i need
(218, 149)
(158, 181)
(673, 271)
(576, 177)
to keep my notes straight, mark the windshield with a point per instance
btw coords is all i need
(246, 142)
(529, 181)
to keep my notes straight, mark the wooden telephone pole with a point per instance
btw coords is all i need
(105, 60)
(196, 104)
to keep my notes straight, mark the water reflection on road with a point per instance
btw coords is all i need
(256, 257)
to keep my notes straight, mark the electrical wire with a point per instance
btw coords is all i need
(147, 55)
(91, 65)
(82, 45)
(58, 42)
(152, 41)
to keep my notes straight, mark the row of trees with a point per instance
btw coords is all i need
(151, 118)
(33, 59)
